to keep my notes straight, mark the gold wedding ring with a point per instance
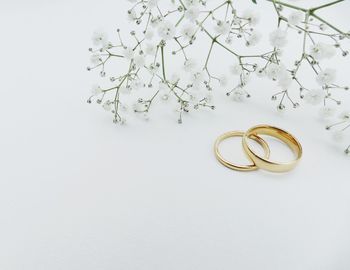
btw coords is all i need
(258, 161)
(249, 167)
(284, 136)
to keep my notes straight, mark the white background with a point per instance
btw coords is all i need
(78, 192)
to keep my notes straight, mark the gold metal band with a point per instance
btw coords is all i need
(250, 167)
(264, 162)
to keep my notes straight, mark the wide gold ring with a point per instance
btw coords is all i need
(265, 163)
(249, 167)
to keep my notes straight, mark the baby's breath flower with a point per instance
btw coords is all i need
(152, 3)
(132, 15)
(191, 3)
(100, 38)
(96, 89)
(236, 69)
(188, 31)
(192, 13)
(95, 59)
(239, 95)
(326, 76)
(139, 60)
(296, 17)
(345, 115)
(223, 81)
(321, 51)
(150, 49)
(284, 79)
(149, 35)
(253, 39)
(128, 53)
(251, 16)
(274, 71)
(223, 28)
(136, 84)
(278, 38)
(326, 112)
(314, 97)
(166, 30)
(108, 106)
(153, 68)
(190, 64)
(338, 136)
(125, 90)
(150, 57)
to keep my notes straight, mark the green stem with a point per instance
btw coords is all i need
(210, 50)
(288, 5)
(327, 23)
(163, 62)
(326, 5)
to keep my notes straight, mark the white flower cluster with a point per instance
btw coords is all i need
(342, 124)
(179, 23)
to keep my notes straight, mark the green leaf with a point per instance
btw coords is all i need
(254, 1)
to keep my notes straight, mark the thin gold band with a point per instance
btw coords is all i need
(265, 163)
(250, 167)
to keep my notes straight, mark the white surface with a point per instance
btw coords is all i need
(77, 192)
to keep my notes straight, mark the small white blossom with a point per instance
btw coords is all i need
(198, 76)
(191, 3)
(314, 97)
(166, 30)
(253, 39)
(136, 84)
(128, 53)
(108, 106)
(154, 23)
(209, 97)
(278, 38)
(245, 78)
(163, 88)
(153, 68)
(132, 16)
(150, 49)
(188, 31)
(139, 60)
(236, 69)
(260, 72)
(95, 59)
(138, 107)
(252, 17)
(149, 35)
(274, 71)
(197, 79)
(284, 79)
(239, 95)
(100, 38)
(321, 51)
(326, 76)
(125, 90)
(192, 13)
(296, 17)
(345, 115)
(338, 136)
(223, 28)
(96, 89)
(175, 77)
(190, 64)
(326, 112)
(223, 81)
(152, 3)
(145, 116)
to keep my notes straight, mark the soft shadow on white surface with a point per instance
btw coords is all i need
(78, 192)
